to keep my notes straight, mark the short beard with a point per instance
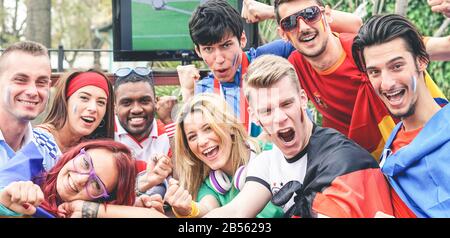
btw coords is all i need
(410, 112)
(315, 54)
(412, 108)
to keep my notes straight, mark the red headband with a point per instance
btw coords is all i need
(87, 79)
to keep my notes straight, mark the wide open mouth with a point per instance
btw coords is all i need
(211, 152)
(395, 96)
(287, 134)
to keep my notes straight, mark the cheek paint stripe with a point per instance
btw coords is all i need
(235, 59)
(322, 24)
(7, 96)
(74, 109)
(414, 83)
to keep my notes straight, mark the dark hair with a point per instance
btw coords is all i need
(212, 21)
(135, 78)
(58, 113)
(123, 193)
(277, 4)
(384, 28)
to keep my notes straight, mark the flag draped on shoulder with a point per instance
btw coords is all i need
(24, 166)
(418, 172)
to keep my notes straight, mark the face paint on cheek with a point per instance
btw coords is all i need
(7, 95)
(290, 37)
(301, 115)
(48, 98)
(322, 24)
(414, 83)
(74, 109)
(211, 66)
(236, 56)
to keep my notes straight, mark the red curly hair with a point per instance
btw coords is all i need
(123, 193)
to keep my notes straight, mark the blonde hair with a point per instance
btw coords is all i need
(191, 170)
(268, 70)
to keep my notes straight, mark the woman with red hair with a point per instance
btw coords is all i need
(89, 180)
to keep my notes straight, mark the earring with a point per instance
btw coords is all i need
(102, 123)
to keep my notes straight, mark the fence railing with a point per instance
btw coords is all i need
(59, 57)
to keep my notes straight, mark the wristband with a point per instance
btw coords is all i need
(195, 211)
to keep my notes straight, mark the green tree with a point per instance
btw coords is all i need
(39, 21)
(11, 25)
(74, 24)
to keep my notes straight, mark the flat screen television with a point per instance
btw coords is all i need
(148, 30)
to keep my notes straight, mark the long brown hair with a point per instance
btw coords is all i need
(57, 116)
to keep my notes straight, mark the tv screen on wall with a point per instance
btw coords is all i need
(146, 30)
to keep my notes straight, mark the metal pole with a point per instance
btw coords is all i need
(60, 58)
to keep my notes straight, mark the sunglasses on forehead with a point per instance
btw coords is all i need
(309, 15)
(124, 72)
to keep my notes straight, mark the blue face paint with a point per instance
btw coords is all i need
(74, 109)
(7, 95)
(49, 92)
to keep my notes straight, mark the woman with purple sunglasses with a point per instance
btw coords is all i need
(89, 180)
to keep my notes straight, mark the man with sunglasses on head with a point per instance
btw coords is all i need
(216, 29)
(415, 159)
(328, 74)
(137, 127)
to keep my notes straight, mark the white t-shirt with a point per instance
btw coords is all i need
(156, 143)
(273, 170)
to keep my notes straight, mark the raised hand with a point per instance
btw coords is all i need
(187, 74)
(254, 11)
(158, 168)
(441, 6)
(164, 106)
(178, 198)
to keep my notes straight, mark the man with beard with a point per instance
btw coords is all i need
(25, 73)
(416, 156)
(311, 171)
(137, 128)
(331, 79)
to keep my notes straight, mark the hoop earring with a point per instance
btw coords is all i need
(102, 123)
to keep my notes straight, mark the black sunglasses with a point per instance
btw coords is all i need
(310, 15)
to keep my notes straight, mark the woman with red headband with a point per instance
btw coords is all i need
(82, 109)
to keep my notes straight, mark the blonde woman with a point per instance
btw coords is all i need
(212, 149)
